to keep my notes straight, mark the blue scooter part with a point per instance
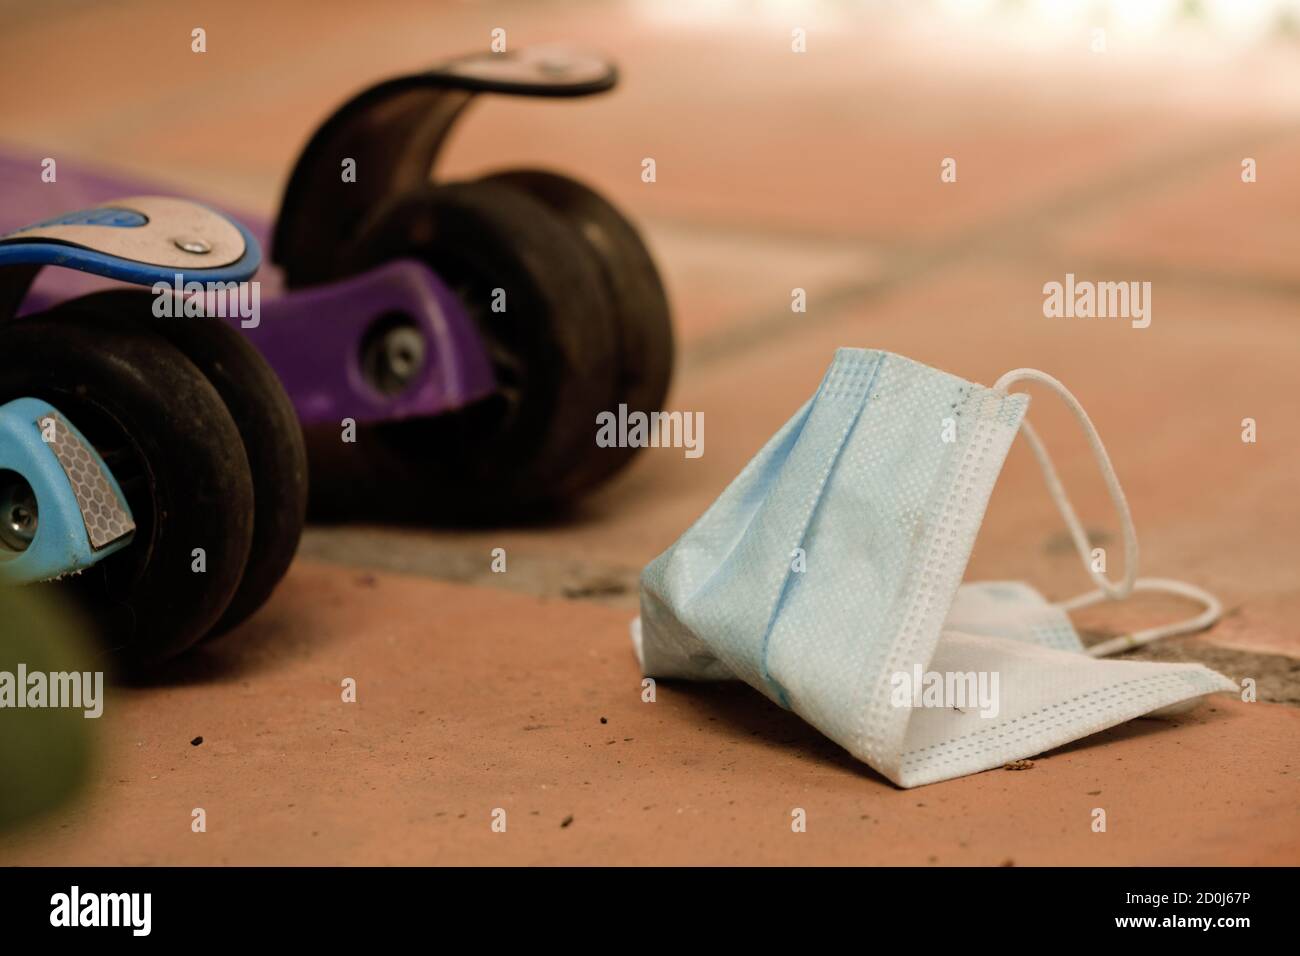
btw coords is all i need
(143, 240)
(61, 509)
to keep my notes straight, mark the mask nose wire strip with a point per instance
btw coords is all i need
(1213, 611)
(1110, 589)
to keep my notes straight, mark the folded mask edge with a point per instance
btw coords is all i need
(1182, 682)
(881, 729)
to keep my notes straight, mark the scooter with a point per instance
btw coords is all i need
(151, 469)
(447, 346)
(437, 350)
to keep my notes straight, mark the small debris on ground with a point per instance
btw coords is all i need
(1019, 765)
(566, 821)
(595, 589)
(196, 741)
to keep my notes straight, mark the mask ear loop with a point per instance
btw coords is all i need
(1213, 611)
(1131, 582)
(1111, 589)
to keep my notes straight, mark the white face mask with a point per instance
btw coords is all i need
(827, 577)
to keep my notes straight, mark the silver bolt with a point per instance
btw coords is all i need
(196, 246)
(19, 513)
(404, 352)
(21, 519)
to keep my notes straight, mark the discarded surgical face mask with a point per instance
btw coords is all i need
(828, 577)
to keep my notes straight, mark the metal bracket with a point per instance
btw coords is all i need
(394, 132)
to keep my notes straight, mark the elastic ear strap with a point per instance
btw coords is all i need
(1213, 611)
(1109, 588)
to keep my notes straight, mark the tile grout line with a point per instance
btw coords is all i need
(1005, 235)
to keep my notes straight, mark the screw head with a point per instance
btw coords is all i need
(19, 513)
(393, 352)
(404, 353)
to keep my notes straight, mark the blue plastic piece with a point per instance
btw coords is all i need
(102, 216)
(126, 270)
(61, 544)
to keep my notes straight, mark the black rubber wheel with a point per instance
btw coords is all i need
(554, 350)
(267, 424)
(644, 326)
(165, 432)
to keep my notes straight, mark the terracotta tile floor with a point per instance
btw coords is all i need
(819, 171)
(533, 706)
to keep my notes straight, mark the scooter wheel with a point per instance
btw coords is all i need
(165, 432)
(267, 424)
(645, 336)
(553, 350)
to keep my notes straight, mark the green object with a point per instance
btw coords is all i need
(45, 751)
